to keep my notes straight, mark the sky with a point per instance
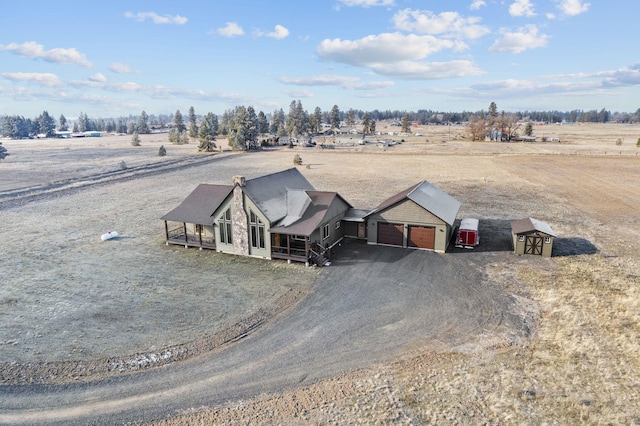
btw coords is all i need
(115, 58)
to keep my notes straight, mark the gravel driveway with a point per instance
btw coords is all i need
(372, 304)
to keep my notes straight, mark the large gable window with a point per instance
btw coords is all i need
(256, 229)
(224, 224)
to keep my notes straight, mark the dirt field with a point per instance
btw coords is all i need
(581, 366)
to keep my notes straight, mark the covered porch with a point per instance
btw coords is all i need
(189, 235)
(299, 248)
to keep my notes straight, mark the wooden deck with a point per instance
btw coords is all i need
(178, 237)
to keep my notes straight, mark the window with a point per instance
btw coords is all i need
(326, 231)
(256, 229)
(547, 240)
(298, 237)
(520, 237)
(338, 225)
(224, 225)
(198, 228)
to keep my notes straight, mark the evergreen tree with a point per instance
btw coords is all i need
(406, 123)
(76, 128)
(62, 123)
(334, 118)
(372, 127)
(294, 121)
(350, 118)
(142, 127)
(528, 130)
(263, 123)
(366, 122)
(212, 125)
(277, 122)
(3, 152)
(121, 127)
(46, 124)
(315, 120)
(251, 128)
(207, 143)
(193, 125)
(237, 134)
(178, 123)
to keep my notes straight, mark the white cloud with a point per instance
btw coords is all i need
(448, 24)
(367, 3)
(119, 68)
(516, 42)
(231, 29)
(300, 93)
(278, 33)
(521, 8)
(31, 49)
(99, 77)
(156, 19)
(345, 82)
(398, 55)
(382, 48)
(40, 79)
(477, 4)
(411, 70)
(573, 7)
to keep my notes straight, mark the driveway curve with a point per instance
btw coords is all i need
(374, 303)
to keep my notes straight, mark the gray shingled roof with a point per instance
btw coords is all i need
(269, 192)
(322, 203)
(527, 225)
(200, 204)
(429, 197)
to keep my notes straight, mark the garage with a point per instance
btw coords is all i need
(420, 217)
(390, 234)
(423, 237)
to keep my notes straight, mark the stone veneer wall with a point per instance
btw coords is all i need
(240, 223)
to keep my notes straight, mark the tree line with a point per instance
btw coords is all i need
(241, 123)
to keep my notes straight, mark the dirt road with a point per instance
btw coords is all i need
(373, 304)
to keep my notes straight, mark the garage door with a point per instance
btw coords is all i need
(390, 233)
(422, 237)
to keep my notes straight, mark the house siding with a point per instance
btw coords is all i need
(519, 246)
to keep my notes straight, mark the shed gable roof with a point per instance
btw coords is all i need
(200, 204)
(524, 226)
(427, 196)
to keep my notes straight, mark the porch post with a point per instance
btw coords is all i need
(166, 232)
(200, 235)
(186, 237)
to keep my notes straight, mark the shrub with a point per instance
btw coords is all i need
(135, 140)
(123, 165)
(638, 143)
(618, 142)
(297, 160)
(162, 151)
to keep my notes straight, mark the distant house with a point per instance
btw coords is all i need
(531, 236)
(277, 216)
(422, 216)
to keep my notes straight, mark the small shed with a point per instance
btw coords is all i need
(531, 236)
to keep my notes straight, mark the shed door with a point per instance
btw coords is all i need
(422, 237)
(533, 245)
(390, 233)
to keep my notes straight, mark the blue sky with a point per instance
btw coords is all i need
(115, 58)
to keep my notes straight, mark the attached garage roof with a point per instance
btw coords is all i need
(200, 204)
(524, 226)
(429, 197)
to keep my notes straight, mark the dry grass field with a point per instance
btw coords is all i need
(580, 367)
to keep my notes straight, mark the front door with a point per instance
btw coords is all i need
(533, 245)
(362, 229)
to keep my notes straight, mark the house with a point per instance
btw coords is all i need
(531, 236)
(422, 217)
(277, 216)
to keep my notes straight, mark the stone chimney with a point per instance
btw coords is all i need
(239, 180)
